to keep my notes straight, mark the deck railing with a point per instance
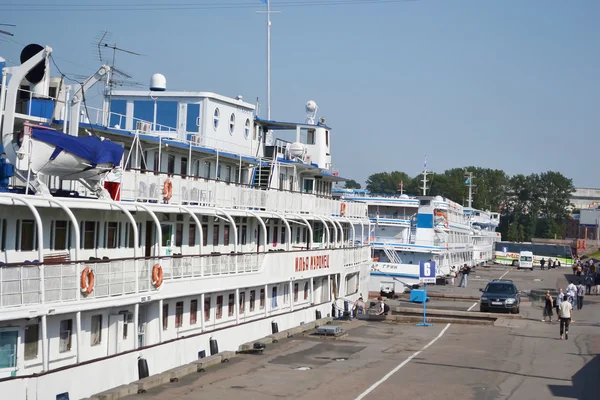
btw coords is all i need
(148, 186)
(21, 285)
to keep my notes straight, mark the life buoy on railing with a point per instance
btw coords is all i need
(157, 275)
(168, 189)
(446, 224)
(87, 281)
(343, 209)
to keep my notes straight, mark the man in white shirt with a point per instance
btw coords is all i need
(564, 312)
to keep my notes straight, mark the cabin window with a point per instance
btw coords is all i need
(326, 138)
(242, 302)
(178, 235)
(286, 293)
(274, 297)
(226, 235)
(207, 169)
(215, 235)
(193, 311)
(171, 164)
(231, 305)
(262, 299)
(247, 128)
(8, 349)
(96, 332)
(207, 308)
(183, 166)
(231, 123)
(26, 235)
(59, 235)
(309, 185)
(216, 115)
(306, 291)
(295, 292)
(219, 310)
(268, 234)
(111, 240)
(156, 162)
(252, 299)
(275, 235)
(32, 337)
(243, 234)
(3, 229)
(88, 239)
(219, 171)
(66, 329)
(179, 314)
(192, 235)
(165, 317)
(282, 235)
(228, 173)
(204, 235)
(130, 237)
(196, 168)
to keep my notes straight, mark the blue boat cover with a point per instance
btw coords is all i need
(90, 148)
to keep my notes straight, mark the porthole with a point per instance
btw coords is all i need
(216, 119)
(231, 123)
(247, 128)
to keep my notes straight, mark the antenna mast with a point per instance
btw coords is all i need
(424, 188)
(469, 182)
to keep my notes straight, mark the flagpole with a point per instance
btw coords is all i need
(268, 59)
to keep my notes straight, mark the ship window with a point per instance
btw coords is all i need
(165, 317)
(282, 235)
(326, 138)
(275, 234)
(192, 235)
(274, 297)
(59, 235)
(8, 349)
(178, 235)
(228, 173)
(96, 337)
(3, 228)
(193, 311)
(247, 128)
(295, 292)
(219, 310)
(156, 161)
(183, 166)
(216, 234)
(26, 235)
(89, 234)
(226, 235)
(262, 299)
(130, 237)
(204, 235)
(207, 308)
(66, 328)
(286, 293)
(252, 299)
(112, 235)
(171, 164)
(216, 119)
(306, 291)
(32, 337)
(244, 234)
(179, 314)
(231, 123)
(242, 302)
(231, 305)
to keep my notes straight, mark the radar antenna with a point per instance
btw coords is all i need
(6, 32)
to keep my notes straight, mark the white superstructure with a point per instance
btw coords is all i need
(484, 235)
(156, 227)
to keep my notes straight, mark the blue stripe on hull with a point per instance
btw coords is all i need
(374, 273)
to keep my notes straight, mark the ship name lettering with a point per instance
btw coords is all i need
(311, 263)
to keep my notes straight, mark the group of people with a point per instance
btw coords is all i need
(463, 271)
(564, 304)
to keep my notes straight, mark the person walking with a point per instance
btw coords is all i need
(589, 281)
(580, 291)
(565, 318)
(548, 308)
(559, 299)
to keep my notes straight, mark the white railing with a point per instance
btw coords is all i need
(146, 186)
(100, 117)
(357, 256)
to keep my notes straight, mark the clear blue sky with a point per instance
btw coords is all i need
(508, 84)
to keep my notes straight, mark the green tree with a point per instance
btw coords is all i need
(388, 182)
(352, 184)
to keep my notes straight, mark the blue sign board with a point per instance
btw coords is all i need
(427, 271)
(505, 249)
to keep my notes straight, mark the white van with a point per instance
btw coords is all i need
(525, 260)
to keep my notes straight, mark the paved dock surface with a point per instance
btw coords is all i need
(514, 359)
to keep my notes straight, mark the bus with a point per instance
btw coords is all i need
(507, 253)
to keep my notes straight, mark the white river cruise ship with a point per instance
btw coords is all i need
(164, 226)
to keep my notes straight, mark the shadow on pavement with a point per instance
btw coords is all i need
(585, 383)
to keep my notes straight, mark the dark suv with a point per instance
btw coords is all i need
(500, 295)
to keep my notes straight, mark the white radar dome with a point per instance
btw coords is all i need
(158, 83)
(438, 198)
(404, 196)
(311, 106)
(297, 149)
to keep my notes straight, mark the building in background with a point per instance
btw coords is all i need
(583, 198)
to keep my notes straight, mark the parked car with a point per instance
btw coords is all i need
(500, 295)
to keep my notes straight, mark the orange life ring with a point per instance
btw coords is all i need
(446, 224)
(87, 281)
(157, 275)
(168, 189)
(343, 209)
